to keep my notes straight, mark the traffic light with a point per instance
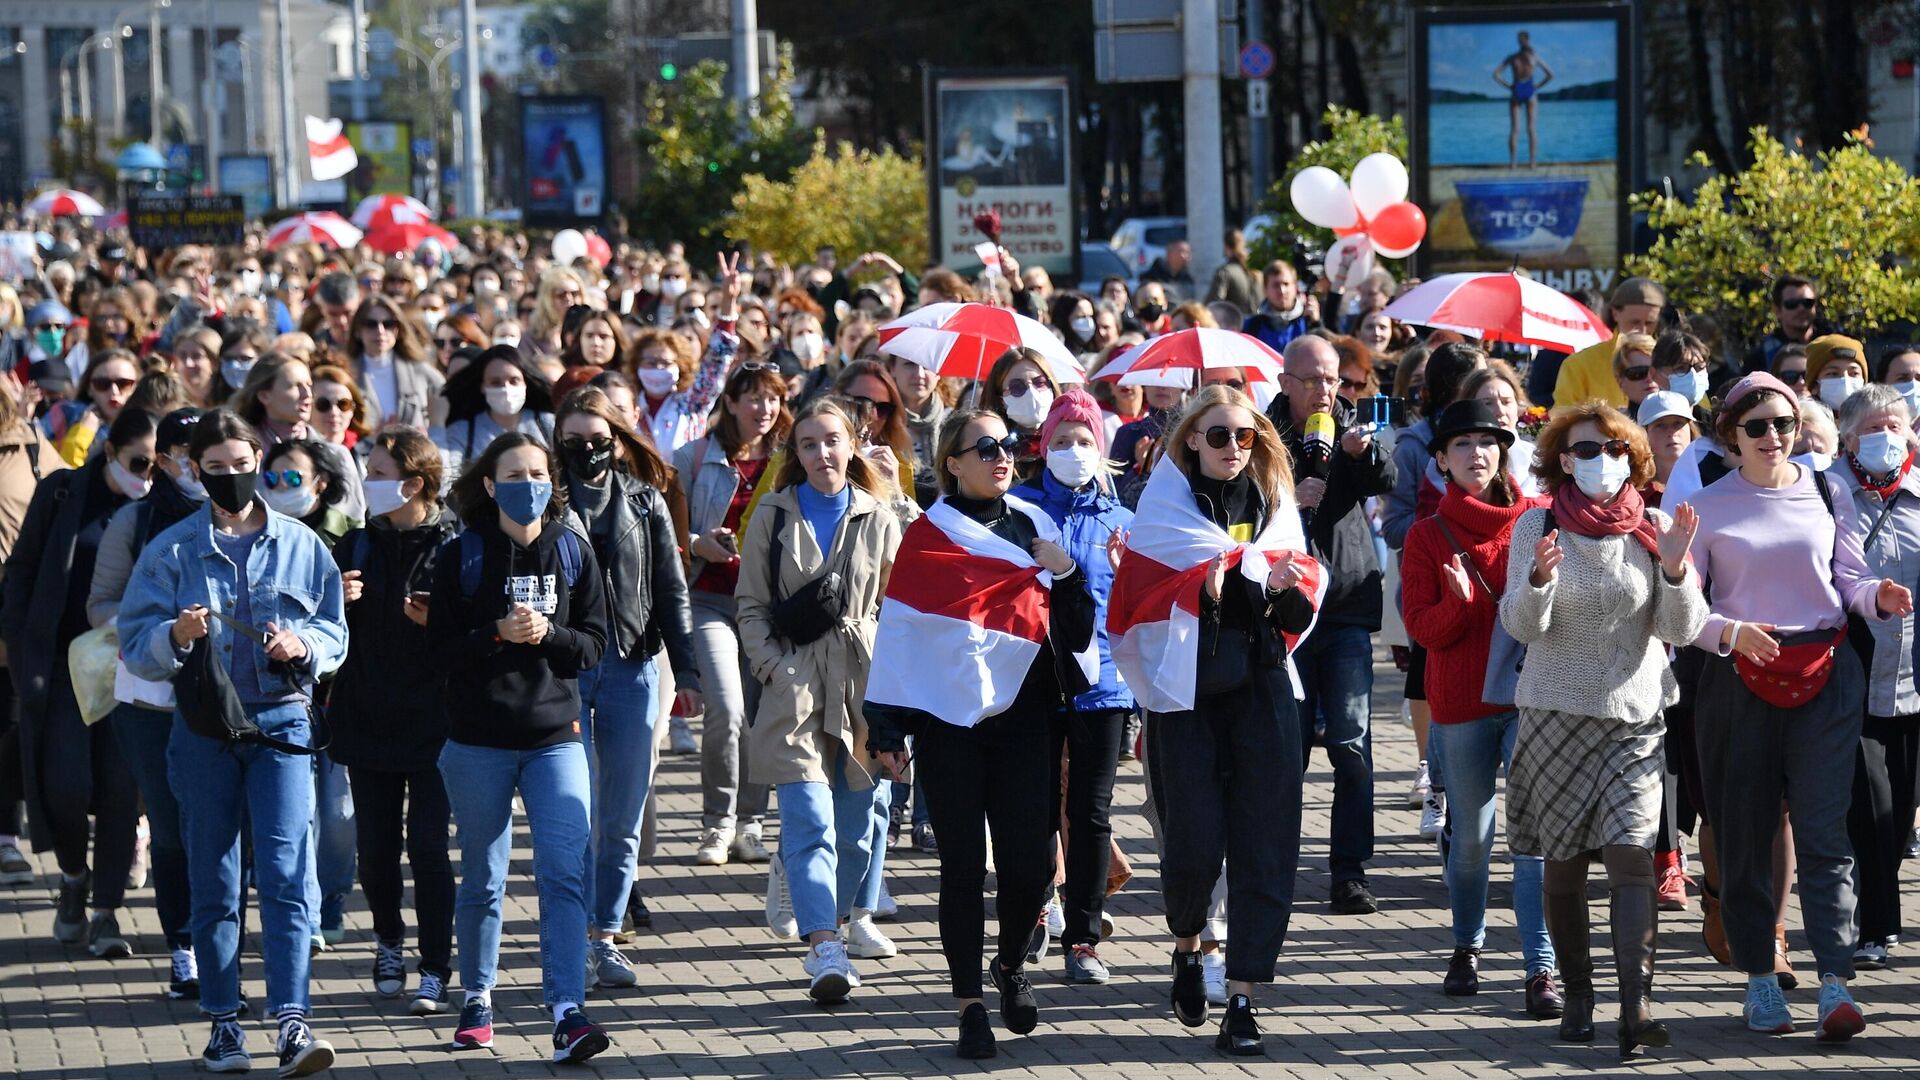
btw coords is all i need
(669, 72)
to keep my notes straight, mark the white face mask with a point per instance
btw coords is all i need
(1882, 452)
(1082, 328)
(188, 483)
(1030, 408)
(385, 496)
(1835, 391)
(672, 287)
(807, 347)
(250, 282)
(133, 487)
(650, 282)
(1074, 466)
(1600, 478)
(1689, 384)
(432, 318)
(507, 339)
(699, 317)
(1911, 391)
(506, 400)
(658, 382)
(293, 502)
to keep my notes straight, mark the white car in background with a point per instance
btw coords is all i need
(1139, 241)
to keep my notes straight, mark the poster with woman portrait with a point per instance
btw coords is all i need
(1002, 143)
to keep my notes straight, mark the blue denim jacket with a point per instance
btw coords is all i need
(1086, 518)
(291, 580)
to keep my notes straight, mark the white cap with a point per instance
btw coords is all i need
(1661, 404)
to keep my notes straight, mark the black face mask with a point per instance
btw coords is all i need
(1151, 312)
(230, 492)
(587, 462)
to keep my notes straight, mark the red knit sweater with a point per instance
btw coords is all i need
(1456, 633)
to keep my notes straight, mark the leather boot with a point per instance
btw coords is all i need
(1567, 925)
(1636, 917)
(1712, 930)
(1782, 967)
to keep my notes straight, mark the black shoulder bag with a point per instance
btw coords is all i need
(819, 605)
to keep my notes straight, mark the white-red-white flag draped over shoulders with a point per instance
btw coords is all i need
(1153, 613)
(964, 617)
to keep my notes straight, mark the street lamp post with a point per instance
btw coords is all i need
(470, 91)
(77, 57)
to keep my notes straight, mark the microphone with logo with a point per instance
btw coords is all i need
(1316, 452)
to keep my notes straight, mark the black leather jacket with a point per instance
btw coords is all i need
(646, 587)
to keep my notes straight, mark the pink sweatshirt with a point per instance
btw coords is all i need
(1771, 557)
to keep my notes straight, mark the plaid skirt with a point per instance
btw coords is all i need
(1580, 783)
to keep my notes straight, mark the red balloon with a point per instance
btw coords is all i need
(1354, 229)
(1401, 225)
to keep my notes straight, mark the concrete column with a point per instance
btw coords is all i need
(38, 107)
(182, 87)
(1206, 208)
(106, 78)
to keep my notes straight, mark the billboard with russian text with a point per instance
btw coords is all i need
(1003, 143)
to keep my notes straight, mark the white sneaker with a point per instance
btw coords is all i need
(886, 907)
(827, 965)
(864, 939)
(137, 873)
(780, 918)
(713, 848)
(1433, 814)
(1106, 926)
(680, 737)
(1422, 784)
(1056, 917)
(748, 848)
(1213, 971)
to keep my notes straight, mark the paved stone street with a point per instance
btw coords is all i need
(721, 997)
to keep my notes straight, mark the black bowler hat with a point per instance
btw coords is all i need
(1465, 418)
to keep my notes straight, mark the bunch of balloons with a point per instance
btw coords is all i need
(1371, 215)
(571, 244)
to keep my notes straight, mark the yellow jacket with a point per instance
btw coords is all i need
(1588, 374)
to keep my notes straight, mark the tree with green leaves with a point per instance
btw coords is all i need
(1845, 217)
(700, 148)
(1351, 135)
(851, 200)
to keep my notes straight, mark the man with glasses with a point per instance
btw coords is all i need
(1796, 321)
(1635, 307)
(1338, 467)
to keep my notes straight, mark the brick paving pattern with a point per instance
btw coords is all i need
(1357, 996)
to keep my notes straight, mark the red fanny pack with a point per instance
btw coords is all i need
(1796, 676)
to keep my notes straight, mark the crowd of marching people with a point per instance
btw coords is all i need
(323, 569)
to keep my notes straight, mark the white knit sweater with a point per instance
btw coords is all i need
(1593, 633)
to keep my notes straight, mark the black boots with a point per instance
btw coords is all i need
(1189, 989)
(1567, 925)
(1239, 1033)
(1635, 920)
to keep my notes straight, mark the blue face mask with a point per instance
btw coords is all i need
(523, 501)
(1689, 384)
(1911, 391)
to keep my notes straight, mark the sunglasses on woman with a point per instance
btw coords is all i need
(1636, 372)
(1587, 449)
(330, 404)
(103, 383)
(1793, 378)
(1019, 387)
(290, 477)
(590, 445)
(884, 409)
(379, 324)
(992, 449)
(1218, 436)
(1779, 425)
(139, 465)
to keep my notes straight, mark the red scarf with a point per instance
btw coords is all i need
(1484, 530)
(1576, 512)
(1886, 490)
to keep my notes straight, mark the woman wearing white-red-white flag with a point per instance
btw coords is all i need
(1214, 591)
(986, 632)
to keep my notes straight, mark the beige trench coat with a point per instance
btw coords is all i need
(811, 697)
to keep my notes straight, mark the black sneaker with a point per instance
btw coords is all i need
(70, 914)
(1017, 1008)
(637, 912)
(226, 1048)
(1189, 989)
(300, 1053)
(976, 1034)
(184, 981)
(389, 970)
(1913, 845)
(923, 839)
(1239, 1032)
(1351, 897)
(103, 937)
(14, 867)
(1463, 973)
(1130, 737)
(576, 1038)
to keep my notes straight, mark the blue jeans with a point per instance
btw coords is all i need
(912, 791)
(555, 786)
(218, 786)
(619, 712)
(333, 844)
(826, 847)
(143, 735)
(1336, 669)
(1471, 755)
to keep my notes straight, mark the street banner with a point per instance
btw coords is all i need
(1003, 144)
(163, 221)
(564, 159)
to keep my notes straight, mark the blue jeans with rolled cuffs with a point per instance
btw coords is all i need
(1468, 757)
(827, 845)
(619, 715)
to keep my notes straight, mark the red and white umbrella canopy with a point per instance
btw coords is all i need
(64, 202)
(1501, 307)
(1172, 359)
(963, 340)
(394, 238)
(323, 227)
(377, 210)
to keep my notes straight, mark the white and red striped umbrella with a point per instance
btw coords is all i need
(396, 237)
(1501, 307)
(963, 340)
(1171, 359)
(377, 210)
(65, 202)
(323, 227)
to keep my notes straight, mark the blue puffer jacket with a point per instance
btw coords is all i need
(1086, 518)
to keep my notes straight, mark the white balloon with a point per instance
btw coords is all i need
(568, 245)
(1349, 261)
(1394, 253)
(1320, 196)
(1379, 181)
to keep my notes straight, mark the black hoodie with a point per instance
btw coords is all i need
(505, 695)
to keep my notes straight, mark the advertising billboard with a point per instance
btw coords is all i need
(249, 176)
(385, 150)
(564, 157)
(1521, 140)
(1003, 143)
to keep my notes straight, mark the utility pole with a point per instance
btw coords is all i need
(746, 59)
(292, 134)
(1206, 212)
(359, 60)
(1258, 122)
(473, 191)
(216, 102)
(153, 74)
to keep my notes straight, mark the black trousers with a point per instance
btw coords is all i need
(1225, 779)
(13, 783)
(1881, 818)
(1091, 741)
(82, 772)
(999, 773)
(382, 801)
